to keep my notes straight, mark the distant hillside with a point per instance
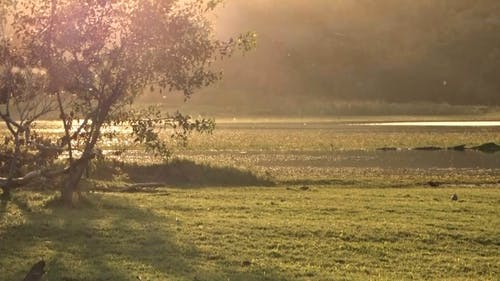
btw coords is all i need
(445, 51)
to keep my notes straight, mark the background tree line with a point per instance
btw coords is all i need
(444, 51)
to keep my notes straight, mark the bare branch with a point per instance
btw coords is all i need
(67, 127)
(20, 181)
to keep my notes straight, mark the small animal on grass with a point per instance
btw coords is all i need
(454, 197)
(36, 272)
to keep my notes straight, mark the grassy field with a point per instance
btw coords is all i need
(257, 233)
(269, 200)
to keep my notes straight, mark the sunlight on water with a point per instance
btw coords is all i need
(440, 124)
(56, 127)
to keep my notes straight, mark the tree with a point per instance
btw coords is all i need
(22, 101)
(100, 54)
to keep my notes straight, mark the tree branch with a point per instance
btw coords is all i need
(20, 181)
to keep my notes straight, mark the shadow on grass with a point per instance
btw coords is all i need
(180, 173)
(111, 238)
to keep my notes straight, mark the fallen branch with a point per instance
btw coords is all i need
(20, 181)
(146, 184)
(134, 187)
(45, 172)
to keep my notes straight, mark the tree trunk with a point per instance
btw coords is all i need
(5, 193)
(6, 188)
(77, 168)
(71, 184)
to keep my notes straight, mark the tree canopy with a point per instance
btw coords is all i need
(97, 56)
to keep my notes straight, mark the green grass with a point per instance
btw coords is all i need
(218, 218)
(257, 233)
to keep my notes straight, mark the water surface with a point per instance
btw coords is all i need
(439, 124)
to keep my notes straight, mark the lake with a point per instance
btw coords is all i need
(438, 124)
(324, 144)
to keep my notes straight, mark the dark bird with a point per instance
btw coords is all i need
(454, 197)
(434, 183)
(36, 272)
